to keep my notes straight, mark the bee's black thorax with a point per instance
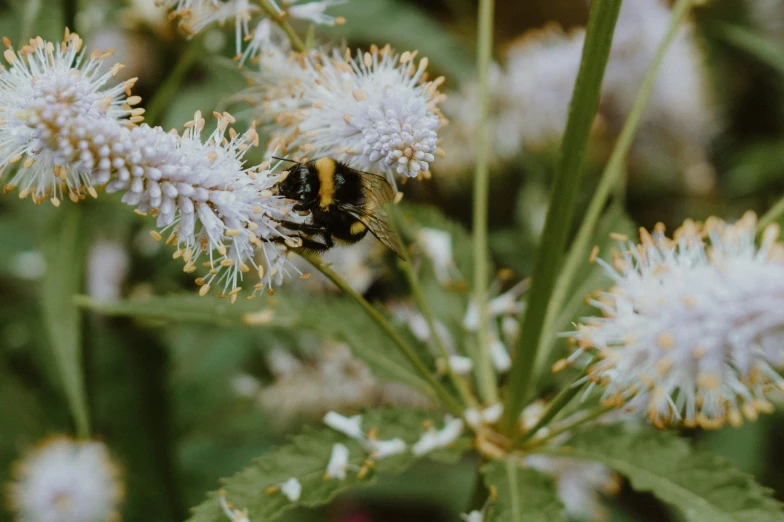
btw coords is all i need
(323, 187)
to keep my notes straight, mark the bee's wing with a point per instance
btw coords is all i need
(378, 192)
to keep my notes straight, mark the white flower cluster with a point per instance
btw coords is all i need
(66, 481)
(694, 326)
(70, 133)
(376, 111)
(530, 95)
(196, 15)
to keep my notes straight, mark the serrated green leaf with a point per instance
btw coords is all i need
(701, 485)
(305, 458)
(64, 250)
(329, 317)
(523, 494)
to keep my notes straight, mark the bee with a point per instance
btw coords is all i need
(344, 204)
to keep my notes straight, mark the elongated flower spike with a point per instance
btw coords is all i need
(50, 95)
(375, 110)
(694, 326)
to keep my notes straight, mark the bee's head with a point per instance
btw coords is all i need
(298, 184)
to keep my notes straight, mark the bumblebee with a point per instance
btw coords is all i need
(344, 204)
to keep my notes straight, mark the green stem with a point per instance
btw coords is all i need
(589, 415)
(612, 177)
(280, 18)
(553, 408)
(416, 291)
(485, 376)
(598, 39)
(379, 319)
(168, 89)
(771, 215)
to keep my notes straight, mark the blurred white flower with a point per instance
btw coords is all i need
(291, 489)
(338, 462)
(473, 516)
(29, 264)
(490, 415)
(381, 449)
(48, 95)
(436, 245)
(375, 111)
(349, 426)
(460, 364)
(315, 12)
(352, 427)
(66, 481)
(235, 515)
(691, 332)
(107, 266)
(331, 378)
(580, 483)
(433, 439)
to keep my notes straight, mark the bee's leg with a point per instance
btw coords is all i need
(308, 244)
(302, 227)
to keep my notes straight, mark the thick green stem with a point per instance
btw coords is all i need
(566, 186)
(613, 176)
(416, 291)
(280, 18)
(379, 319)
(168, 89)
(485, 376)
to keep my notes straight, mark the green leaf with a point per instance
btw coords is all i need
(523, 494)
(336, 318)
(566, 186)
(702, 485)
(64, 249)
(305, 458)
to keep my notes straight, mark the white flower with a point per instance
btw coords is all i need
(505, 304)
(489, 415)
(235, 515)
(499, 356)
(375, 111)
(44, 91)
(350, 426)
(436, 245)
(196, 15)
(200, 190)
(338, 462)
(434, 439)
(692, 332)
(474, 516)
(460, 364)
(580, 484)
(315, 12)
(381, 449)
(264, 37)
(66, 481)
(291, 489)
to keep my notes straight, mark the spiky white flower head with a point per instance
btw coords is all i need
(679, 120)
(581, 484)
(694, 326)
(376, 111)
(66, 481)
(338, 462)
(202, 195)
(47, 88)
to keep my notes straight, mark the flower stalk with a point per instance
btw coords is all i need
(443, 395)
(485, 377)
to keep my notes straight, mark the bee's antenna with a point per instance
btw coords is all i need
(284, 159)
